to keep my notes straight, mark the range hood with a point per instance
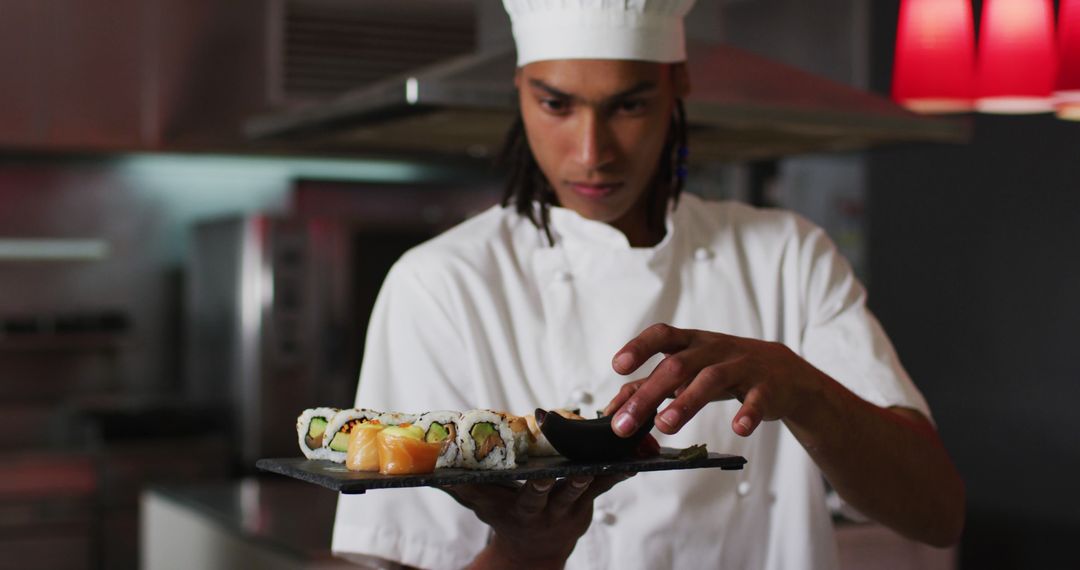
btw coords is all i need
(742, 107)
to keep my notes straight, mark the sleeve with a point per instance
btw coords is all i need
(413, 362)
(841, 336)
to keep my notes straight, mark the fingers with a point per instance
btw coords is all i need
(749, 416)
(539, 502)
(533, 497)
(567, 493)
(486, 500)
(653, 340)
(671, 374)
(603, 484)
(575, 492)
(624, 394)
(470, 494)
(710, 384)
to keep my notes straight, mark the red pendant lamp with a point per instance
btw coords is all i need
(1017, 57)
(935, 56)
(1067, 91)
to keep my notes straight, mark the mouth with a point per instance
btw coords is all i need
(595, 189)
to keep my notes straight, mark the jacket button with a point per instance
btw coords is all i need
(702, 254)
(581, 397)
(743, 488)
(603, 517)
(564, 277)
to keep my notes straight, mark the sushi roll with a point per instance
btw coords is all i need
(490, 440)
(397, 418)
(519, 427)
(336, 438)
(310, 428)
(439, 427)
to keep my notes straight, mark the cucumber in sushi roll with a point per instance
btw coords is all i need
(311, 426)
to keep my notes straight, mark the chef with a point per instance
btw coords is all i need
(598, 284)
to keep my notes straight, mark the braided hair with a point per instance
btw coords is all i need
(527, 185)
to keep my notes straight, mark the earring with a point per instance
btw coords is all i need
(680, 162)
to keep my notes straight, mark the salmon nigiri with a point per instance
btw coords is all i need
(363, 452)
(403, 451)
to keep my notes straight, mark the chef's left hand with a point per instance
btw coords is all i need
(770, 380)
(537, 524)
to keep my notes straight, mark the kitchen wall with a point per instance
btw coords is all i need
(975, 265)
(829, 189)
(91, 357)
(141, 207)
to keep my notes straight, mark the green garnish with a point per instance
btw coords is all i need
(693, 452)
(689, 454)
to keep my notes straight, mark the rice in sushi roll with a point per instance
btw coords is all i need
(439, 427)
(310, 428)
(491, 440)
(397, 418)
(336, 438)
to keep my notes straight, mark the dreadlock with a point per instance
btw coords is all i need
(527, 185)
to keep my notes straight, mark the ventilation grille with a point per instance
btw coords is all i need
(333, 46)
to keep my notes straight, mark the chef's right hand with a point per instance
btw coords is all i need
(537, 524)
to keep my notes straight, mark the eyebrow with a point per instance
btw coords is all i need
(642, 87)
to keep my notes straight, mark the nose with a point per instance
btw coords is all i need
(595, 148)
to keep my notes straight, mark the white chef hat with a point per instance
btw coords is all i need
(649, 30)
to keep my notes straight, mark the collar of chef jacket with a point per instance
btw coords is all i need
(588, 249)
(574, 228)
(601, 292)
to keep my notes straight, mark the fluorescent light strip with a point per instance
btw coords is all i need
(412, 91)
(15, 249)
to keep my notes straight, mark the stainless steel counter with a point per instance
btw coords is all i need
(250, 523)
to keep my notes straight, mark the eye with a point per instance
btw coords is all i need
(631, 106)
(554, 105)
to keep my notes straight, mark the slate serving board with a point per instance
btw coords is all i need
(335, 477)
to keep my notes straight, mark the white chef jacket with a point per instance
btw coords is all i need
(489, 315)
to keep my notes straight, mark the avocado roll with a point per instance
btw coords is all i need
(487, 440)
(336, 438)
(442, 426)
(310, 428)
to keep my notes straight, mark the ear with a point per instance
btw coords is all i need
(680, 79)
(517, 78)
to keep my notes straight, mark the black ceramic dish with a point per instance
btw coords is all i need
(589, 440)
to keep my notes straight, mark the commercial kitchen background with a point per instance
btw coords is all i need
(121, 130)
